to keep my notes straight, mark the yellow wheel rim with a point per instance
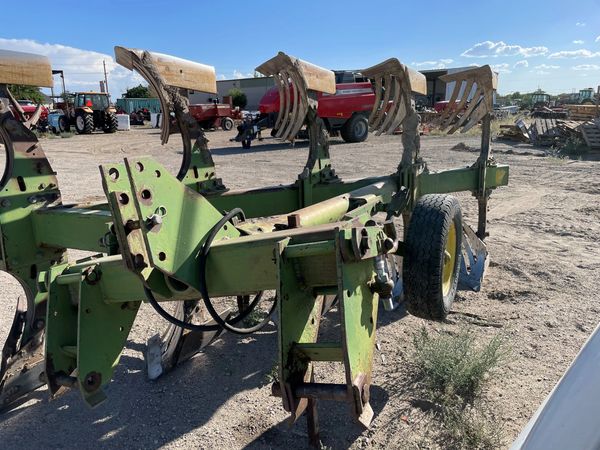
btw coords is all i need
(449, 260)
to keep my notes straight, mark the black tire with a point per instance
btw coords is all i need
(63, 125)
(246, 143)
(227, 124)
(430, 275)
(356, 129)
(84, 123)
(111, 124)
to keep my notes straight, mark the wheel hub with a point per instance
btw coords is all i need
(449, 259)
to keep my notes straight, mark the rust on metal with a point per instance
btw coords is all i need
(174, 71)
(294, 79)
(471, 100)
(394, 84)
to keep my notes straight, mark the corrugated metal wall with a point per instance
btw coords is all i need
(134, 104)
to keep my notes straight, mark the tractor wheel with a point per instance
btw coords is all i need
(356, 129)
(432, 256)
(111, 124)
(84, 123)
(63, 124)
(246, 143)
(227, 123)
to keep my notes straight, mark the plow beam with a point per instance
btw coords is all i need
(394, 84)
(294, 79)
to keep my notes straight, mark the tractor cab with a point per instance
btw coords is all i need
(349, 76)
(539, 99)
(586, 96)
(94, 101)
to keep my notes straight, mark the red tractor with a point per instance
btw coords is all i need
(346, 112)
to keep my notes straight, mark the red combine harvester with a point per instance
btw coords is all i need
(346, 112)
(215, 115)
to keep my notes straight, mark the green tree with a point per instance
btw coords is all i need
(32, 93)
(238, 98)
(139, 91)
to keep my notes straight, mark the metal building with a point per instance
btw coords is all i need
(254, 88)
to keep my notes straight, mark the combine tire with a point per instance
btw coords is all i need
(432, 256)
(63, 125)
(356, 129)
(84, 123)
(111, 124)
(227, 123)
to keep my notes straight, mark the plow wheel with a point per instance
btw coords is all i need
(432, 256)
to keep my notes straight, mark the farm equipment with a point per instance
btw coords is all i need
(37, 114)
(186, 238)
(16, 70)
(215, 115)
(87, 111)
(343, 111)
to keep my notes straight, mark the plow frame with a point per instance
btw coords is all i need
(307, 240)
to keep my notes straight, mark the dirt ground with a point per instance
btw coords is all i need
(540, 292)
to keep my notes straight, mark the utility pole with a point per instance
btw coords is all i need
(105, 79)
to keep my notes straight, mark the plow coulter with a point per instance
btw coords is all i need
(187, 238)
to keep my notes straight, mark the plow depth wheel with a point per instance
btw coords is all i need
(432, 256)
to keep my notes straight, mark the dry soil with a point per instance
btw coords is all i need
(540, 293)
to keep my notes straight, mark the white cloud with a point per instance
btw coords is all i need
(221, 76)
(540, 72)
(582, 53)
(597, 39)
(580, 24)
(578, 41)
(437, 64)
(83, 69)
(488, 49)
(546, 67)
(237, 74)
(501, 68)
(586, 67)
(522, 63)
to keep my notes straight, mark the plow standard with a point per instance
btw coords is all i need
(321, 243)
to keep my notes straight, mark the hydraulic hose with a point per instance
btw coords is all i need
(228, 325)
(204, 290)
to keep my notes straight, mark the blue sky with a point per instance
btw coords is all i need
(550, 44)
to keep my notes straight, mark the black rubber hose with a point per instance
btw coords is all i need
(204, 290)
(228, 325)
(190, 326)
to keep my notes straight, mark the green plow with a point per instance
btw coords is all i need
(186, 238)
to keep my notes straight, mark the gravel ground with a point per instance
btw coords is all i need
(540, 293)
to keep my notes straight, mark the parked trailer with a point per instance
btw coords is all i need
(215, 115)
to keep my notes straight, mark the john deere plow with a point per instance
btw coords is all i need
(187, 238)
